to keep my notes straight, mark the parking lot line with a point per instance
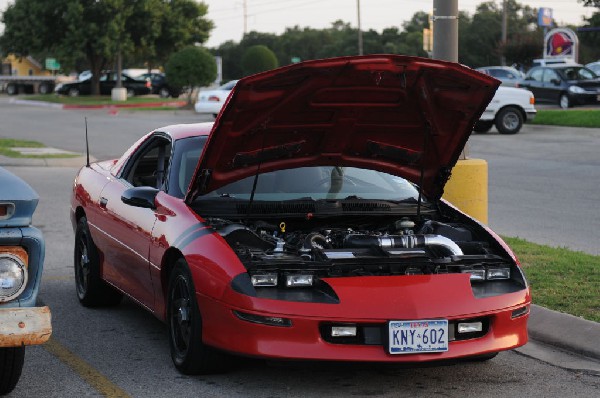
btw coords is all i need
(87, 372)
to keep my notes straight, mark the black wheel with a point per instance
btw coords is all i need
(483, 126)
(11, 365)
(164, 92)
(564, 101)
(509, 121)
(73, 92)
(44, 88)
(188, 352)
(92, 291)
(12, 89)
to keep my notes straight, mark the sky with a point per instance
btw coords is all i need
(273, 16)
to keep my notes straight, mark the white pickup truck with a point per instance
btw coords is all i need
(508, 110)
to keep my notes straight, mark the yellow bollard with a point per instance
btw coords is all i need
(467, 188)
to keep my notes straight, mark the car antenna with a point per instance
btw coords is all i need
(87, 146)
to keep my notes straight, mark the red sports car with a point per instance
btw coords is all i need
(307, 222)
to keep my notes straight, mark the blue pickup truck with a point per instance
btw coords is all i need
(22, 322)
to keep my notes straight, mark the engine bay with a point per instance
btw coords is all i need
(362, 246)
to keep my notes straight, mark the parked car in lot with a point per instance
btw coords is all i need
(108, 81)
(307, 222)
(509, 76)
(161, 86)
(211, 101)
(22, 322)
(565, 85)
(508, 110)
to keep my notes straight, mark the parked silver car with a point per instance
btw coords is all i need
(508, 75)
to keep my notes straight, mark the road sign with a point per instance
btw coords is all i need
(52, 64)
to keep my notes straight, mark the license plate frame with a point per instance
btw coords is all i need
(421, 336)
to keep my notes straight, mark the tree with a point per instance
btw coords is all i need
(258, 58)
(191, 67)
(97, 30)
(590, 3)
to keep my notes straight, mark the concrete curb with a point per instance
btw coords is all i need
(77, 161)
(565, 331)
(174, 103)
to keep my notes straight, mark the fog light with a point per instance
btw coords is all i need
(266, 279)
(498, 273)
(470, 327)
(343, 331)
(263, 320)
(476, 274)
(520, 312)
(298, 280)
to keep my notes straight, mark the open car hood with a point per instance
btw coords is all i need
(406, 116)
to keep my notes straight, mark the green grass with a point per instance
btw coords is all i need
(561, 279)
(6, 145)
(570, 117)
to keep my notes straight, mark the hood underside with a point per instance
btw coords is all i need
(406, 116)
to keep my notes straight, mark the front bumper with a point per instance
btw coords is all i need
(370, 303)
(24, 326)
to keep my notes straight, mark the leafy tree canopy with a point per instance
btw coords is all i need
(85, 34)
(190, 67)
(257, 59)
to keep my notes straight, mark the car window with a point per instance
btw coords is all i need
(149, 165)
(536, 75)
(501, 73)
(322, 182)
(186, 155)
(586, 74)
(550, 75)
(228, 86)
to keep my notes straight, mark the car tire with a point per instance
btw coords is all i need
(44, 89)
(509, 120)
(564, 101)
(164, 93)
(130, 93)
(483, 126)
(189, 354)
(11, 365)
(91, 290)
(12, 89)
(73, 92)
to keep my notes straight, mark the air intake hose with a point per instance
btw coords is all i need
(401, 241)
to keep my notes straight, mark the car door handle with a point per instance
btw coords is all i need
(103, 202)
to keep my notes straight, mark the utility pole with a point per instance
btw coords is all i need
(468, 186)
(360, 40)
(245, 4)
(504, 24)
(445, 31)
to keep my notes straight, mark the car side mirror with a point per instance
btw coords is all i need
(556, 82)
(140, 197)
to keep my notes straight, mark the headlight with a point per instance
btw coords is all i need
(576, 90)
(13, 273)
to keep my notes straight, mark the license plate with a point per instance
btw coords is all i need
(420, 336)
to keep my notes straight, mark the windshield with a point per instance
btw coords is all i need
(323, 182)
(578, 73)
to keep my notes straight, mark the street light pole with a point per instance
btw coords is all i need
(360, 39)
(445, 31)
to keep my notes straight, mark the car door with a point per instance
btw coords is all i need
(552, 87)
(534, 83)
(129, 227)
